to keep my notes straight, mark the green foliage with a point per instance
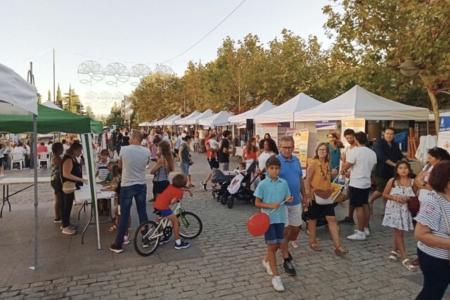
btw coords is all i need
(71, 102)
(59, 99)
(115, 117)
(372, 40)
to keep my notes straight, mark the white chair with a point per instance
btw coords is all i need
(17, 158)
(43, 158)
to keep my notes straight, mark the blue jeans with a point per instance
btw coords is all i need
(139, 192)
(185, 168)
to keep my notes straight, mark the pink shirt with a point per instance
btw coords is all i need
(42, 149)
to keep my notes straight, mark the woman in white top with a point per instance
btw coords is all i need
(433, 234)
(265, 154)
(435, 155)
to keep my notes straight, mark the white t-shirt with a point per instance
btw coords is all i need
(213, 144)
(363, 160)
(134, 160)
(262, 159)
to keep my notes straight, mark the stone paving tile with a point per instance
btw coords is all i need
(225, 263)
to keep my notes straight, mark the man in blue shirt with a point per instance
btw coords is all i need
(291, 171)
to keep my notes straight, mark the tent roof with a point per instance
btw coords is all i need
(285, 112)
(51, 105)
(49, 120)
(160, 122)
(206, 114)
(16, 95)
(250, 114)
(186, 120)
(219, 119)
(359, 103)
(170, 120)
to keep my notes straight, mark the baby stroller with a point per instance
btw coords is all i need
(240, 186)
(221, 181)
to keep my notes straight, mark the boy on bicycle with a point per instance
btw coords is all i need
(271, 194)
(173, 193)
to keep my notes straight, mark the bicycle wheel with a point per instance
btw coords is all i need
(190, 225)
(146, 238)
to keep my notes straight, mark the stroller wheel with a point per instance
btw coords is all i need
(230, 202)
(223, 199)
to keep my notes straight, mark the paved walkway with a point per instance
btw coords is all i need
(224, 262)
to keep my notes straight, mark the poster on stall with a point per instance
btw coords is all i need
(301, 140)
(444, 134)
(356, 124)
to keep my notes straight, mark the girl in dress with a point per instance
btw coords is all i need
(398, 192)
(164, 165)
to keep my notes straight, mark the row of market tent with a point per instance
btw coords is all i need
(356, 103)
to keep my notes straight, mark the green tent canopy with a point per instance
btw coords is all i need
(50, 120)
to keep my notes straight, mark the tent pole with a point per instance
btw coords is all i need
(36, 223)
(92, 188)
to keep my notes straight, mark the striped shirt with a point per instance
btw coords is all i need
(431, 216)
(102, 168)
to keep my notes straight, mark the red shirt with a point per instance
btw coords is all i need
(163, 200)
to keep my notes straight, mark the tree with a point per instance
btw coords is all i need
(410, 38)
(71, 102)
(115, 117)
(89, 112)
(59, 99)
(49, 96)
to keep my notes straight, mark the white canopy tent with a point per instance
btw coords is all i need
(206, 114)
(51, 105)
(188, 119)
(219, 119)
(286, 111)
(18, 97)
(161, 122)
(145, 124)
(250, 114)
(170, 120)
(358, 103)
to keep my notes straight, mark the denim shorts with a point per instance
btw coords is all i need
(165, 212)
(275, 234)
(185, 168)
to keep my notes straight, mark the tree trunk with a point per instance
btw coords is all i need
(435, 106)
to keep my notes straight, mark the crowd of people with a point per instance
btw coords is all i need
(290, 193)
(383, 169)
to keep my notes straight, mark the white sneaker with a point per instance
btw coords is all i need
(367, 231)
(277, 284)
(126, 240)
(294, 244)
(266, 265)
(357, 236)
(68, 231)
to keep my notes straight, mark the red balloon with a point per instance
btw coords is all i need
(258, 224)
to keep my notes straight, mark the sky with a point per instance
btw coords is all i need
(135, 32)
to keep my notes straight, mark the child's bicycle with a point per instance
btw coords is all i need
(149, 235)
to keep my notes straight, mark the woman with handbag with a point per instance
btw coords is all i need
(435, 155)
(72, 179)
(319, 199)
(398, 192)
(433, 234)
